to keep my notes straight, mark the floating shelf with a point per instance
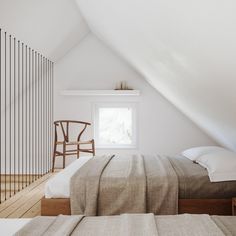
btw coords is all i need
(100, 92)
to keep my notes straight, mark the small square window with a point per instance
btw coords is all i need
(115, 125)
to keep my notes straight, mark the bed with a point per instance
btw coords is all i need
(196, 194)
(126, 224)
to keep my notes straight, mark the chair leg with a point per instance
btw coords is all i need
(64, 155)
(93, 147)
(78, 152)
(54, 156)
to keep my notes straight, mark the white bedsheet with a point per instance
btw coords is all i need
(8, 227)
(59, 185)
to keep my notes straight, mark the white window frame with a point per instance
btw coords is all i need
(133, 145)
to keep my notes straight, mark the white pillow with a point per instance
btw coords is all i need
(194, 153)
(221, 165)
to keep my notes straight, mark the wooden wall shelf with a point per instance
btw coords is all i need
(100, 92)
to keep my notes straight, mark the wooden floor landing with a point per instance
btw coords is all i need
(26, 203)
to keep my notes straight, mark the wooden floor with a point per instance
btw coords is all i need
(26, 203)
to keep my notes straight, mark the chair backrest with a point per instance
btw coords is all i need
(65, 124)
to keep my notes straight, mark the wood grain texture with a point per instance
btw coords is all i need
(206, 206)
(234, 206)
(26, 203)
(54, 207)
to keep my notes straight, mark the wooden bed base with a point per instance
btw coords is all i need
(56, 206)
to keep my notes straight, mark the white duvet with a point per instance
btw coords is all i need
(9, 227)
(59, 185)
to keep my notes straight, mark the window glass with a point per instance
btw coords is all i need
(115, 126)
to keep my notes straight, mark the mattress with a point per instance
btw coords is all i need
(11, 226)
(193, 179)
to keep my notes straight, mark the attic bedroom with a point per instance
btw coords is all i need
(117, 117)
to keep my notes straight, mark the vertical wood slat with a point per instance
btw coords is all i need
(5, 100)
(38, 56)
(35, 114)
(48, 121)
(41, 114)
(0, 116)
(26, 114)
(32, 115)
(18, 88)
(45, 116)
(48, 89)
(48, 127)
(52, 110)
(44, 108)
(48, 102)
(10, 150)
(29, 104)
(22, 99)
(14, 115)
(49, 111)
(26, 87)
(33, 118)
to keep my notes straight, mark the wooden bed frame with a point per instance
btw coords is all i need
(56, 206)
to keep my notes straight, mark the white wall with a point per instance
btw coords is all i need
(92, 65)
(52, 27)
(185, 49)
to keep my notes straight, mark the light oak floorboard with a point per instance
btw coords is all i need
(26, 203)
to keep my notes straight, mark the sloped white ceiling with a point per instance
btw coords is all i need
(186, 49)
(52, 27)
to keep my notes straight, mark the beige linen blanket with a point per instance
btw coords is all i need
(112, 185)
(131, 224)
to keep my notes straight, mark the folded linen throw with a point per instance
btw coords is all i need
(131, 224)
(112, 185)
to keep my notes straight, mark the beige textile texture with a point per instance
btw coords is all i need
(112, 185)
(194, 181)
(130, 225)
(49, 226)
